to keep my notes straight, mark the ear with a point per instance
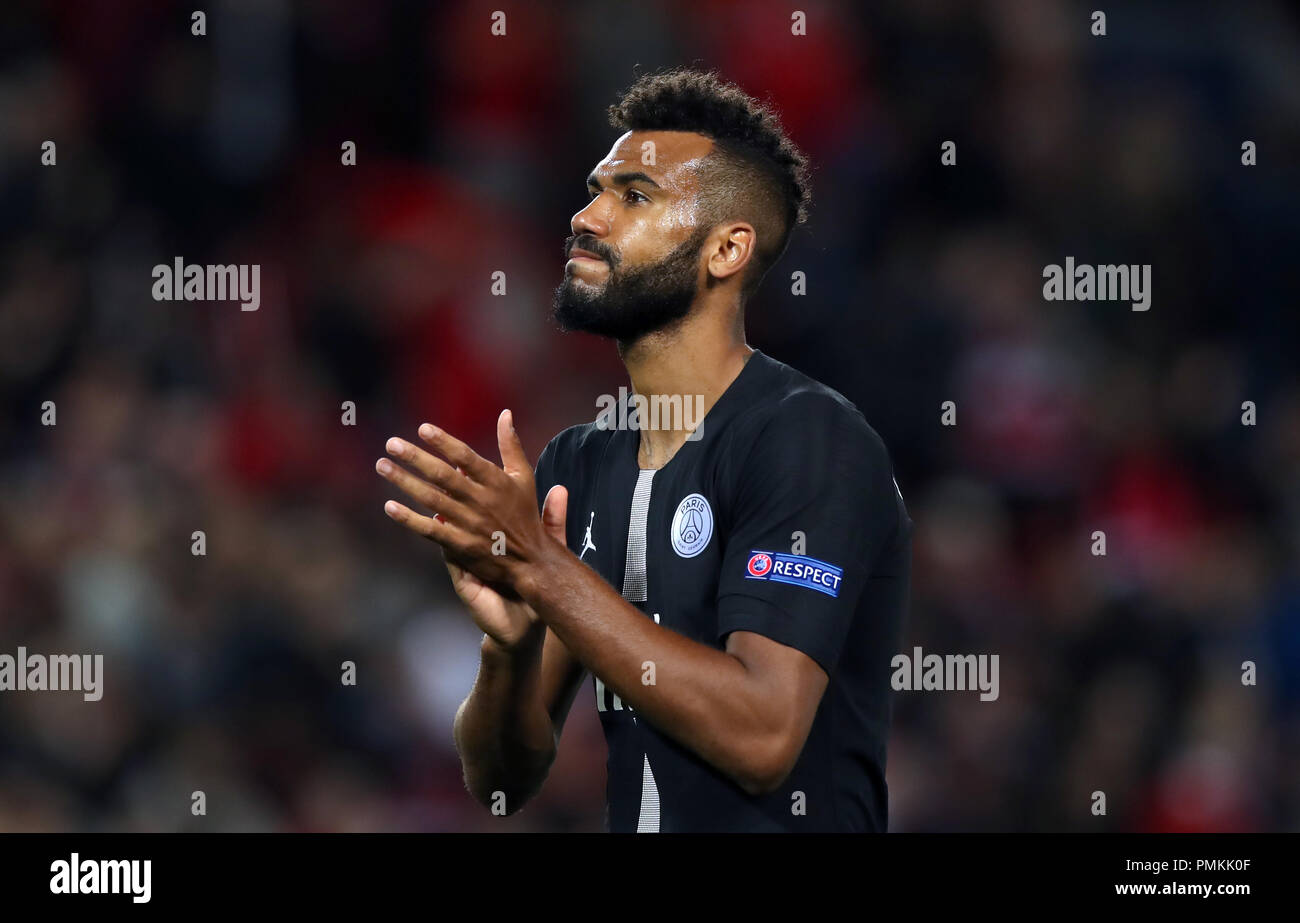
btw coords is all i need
(731, 248)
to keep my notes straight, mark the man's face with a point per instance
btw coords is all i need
(633, 262)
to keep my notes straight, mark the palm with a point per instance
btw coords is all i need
(504, 620)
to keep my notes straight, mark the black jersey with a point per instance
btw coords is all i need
(781, 516)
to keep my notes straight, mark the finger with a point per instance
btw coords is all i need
(451, 537)
(555, 510)
(459, 454)
(513, 459)
(422, 492)
(431, 467)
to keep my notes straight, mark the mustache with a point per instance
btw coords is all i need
(591, 245)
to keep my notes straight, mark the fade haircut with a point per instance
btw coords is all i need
(754, 171)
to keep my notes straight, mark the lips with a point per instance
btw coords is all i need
(577, 253)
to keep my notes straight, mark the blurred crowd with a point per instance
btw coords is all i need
(1120, 673)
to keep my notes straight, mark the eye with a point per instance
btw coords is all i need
(639, 197)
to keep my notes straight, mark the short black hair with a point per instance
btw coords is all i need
(748, 142)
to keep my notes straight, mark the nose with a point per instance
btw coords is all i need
(591, 220)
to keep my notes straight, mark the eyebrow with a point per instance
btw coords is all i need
(622, 179)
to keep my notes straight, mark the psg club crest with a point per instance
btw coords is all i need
(692, 526)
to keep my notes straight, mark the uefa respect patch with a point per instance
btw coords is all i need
(796, 569)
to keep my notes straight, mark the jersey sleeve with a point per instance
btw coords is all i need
(814, 506)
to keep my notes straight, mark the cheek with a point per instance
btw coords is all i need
(637, 241)
(649, 238)
(681, 215)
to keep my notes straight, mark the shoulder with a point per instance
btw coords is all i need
(797, 413)
(570, 447)
(803, 453)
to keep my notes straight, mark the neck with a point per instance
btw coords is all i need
(689, 366)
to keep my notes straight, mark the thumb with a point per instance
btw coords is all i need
(555, 509)
(513, 459)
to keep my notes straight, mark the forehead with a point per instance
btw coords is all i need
(670, 158)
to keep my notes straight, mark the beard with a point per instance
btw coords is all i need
(632, 302)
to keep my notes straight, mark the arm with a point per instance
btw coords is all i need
(508, 728)
(746, 710)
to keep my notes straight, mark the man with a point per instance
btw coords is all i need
(735, 587)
